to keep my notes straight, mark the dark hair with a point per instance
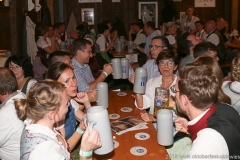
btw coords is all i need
(106, 22)
(167, 54)
(41, 30)
(8, 81)
(216, 69)
(199, 84)
(151, 24)
(57, 56)
(80, 44)
(82, 30)
(56, 25)
(165, 42)
(102, 27)
(201, 22)
(203, 48)
(184, 46)
(23, 62)
(55, 70)
(62, 23)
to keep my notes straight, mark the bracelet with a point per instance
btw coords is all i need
(105, 73)
(85, 154)
(79, 131)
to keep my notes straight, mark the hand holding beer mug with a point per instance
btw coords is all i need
(161, 100)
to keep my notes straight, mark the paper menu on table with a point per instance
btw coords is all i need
(132, 58)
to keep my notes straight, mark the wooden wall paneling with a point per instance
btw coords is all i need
(235, 14)
(5, 31)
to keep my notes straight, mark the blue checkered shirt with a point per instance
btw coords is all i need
(152, 69)
(83, 75)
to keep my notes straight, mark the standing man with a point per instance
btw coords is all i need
(214, 127)
(82, 52)
(11, 126)
(215, 37)
(158, 44)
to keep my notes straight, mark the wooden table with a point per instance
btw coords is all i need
(127, 140)
(123, 53)
(233, 44)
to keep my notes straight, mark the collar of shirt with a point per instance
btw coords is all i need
(195, 120)
(139, 31)
(76, 63)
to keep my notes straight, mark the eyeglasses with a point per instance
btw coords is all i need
(169, 63)
(155, 47)
(14, 67)
(173, 89)
(89, 52)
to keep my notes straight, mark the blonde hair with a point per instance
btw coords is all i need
(42, 98)
(222, 97)
(235, 71)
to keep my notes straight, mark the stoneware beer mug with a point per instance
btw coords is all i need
(102, 91)
(165, 129)
(130, 46)
(140, 80)
(97, 117)
(124, 65)
(161, 100)
(117, 70)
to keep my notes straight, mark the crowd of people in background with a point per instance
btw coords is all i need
(43, 104)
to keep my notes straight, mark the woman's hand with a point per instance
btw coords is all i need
(181, 124)
(92, 95)
(90, 142)
(148, 117)
(82, 97)
(132, 78)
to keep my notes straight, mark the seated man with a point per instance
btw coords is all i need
(11, 126)
(205, 49)
(82, 51)
(60, 56)
(158, 44)
(214, 127)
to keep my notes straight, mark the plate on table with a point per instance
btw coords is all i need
(115, 144)
(142, 136)
(114, 116)
(138, 151)
(126, 109)
(122, 94)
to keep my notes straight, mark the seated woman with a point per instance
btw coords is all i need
(167, 63)
(22, 69)
(63, 73)
(171, 31)
(46, 104)
(46, 45)
(102, 46)
(232, 88)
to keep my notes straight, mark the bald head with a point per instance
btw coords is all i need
(210, 26)
(220, 22)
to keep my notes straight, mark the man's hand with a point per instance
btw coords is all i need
(108, 68)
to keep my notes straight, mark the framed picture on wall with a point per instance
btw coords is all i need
(148, 11)
(200, 3)
(88, 1)
(88, 15)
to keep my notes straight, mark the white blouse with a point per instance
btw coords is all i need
(49, 149)
(148, 97)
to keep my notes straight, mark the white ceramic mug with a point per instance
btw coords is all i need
(97, 117)
(125, 68)
(140, 80)
(130, 46)
(165, 129)
(102, 91)
(117, 70)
